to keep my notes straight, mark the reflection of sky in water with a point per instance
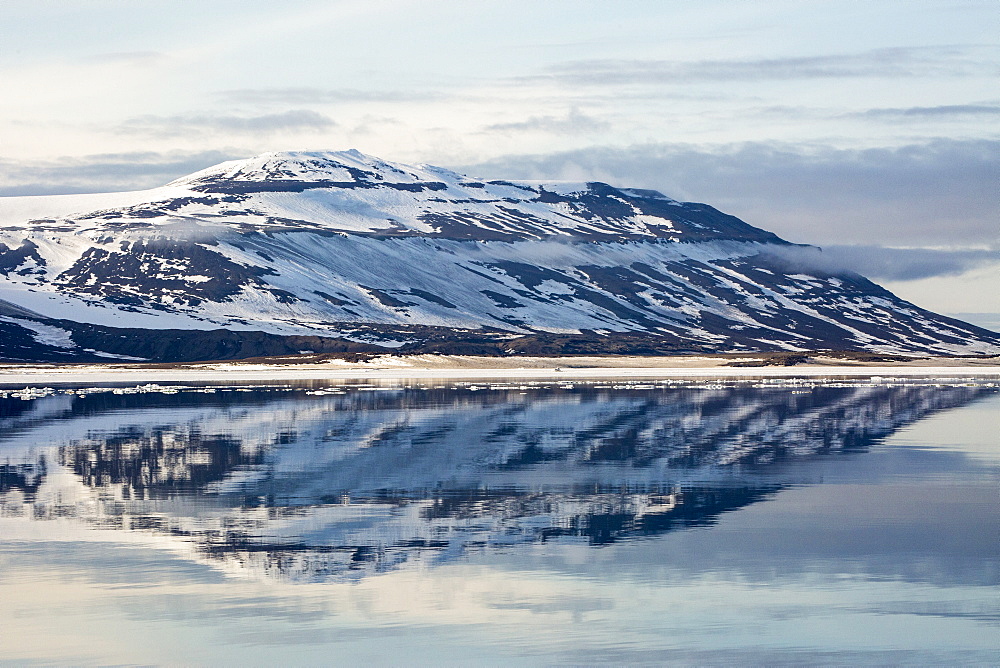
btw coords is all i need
(817, 539)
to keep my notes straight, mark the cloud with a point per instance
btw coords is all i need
(574, 122)
(108, 172)
(989, 321)
(295, 120)
(881, 63)
(375, 124)
(938, 193)
(127, 57)
(931, 112)
(962, 283)
(307, 95)
(881, 263)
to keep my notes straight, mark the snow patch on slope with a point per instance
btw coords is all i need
(44, 334)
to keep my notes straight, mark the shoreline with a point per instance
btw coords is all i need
(440, 367)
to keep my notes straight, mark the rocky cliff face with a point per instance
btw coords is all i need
(349, 252)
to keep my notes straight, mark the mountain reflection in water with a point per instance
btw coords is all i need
(351, 482)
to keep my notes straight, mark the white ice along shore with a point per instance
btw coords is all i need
(13, 377)
(348, 246)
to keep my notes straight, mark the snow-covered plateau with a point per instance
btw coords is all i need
(343, 252)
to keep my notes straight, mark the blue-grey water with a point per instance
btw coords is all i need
(704, 523)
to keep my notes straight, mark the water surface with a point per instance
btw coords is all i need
(614, 522)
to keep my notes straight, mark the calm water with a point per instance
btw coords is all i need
(545, 523)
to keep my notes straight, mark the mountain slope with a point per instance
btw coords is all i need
(348, 252)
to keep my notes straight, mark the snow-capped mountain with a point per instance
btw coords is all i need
(343, 251)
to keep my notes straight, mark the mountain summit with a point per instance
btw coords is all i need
(352, 192)
(341, 251)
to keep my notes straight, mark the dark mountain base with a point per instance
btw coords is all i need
(163, 345)
(96, 343)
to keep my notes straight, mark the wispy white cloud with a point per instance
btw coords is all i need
(944, 110)
(574, 122)
(292, 120)
(878, 262)
(880, 63)
(106, 172)
(128, 57)
(306, 95)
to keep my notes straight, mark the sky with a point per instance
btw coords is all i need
(871, 129)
